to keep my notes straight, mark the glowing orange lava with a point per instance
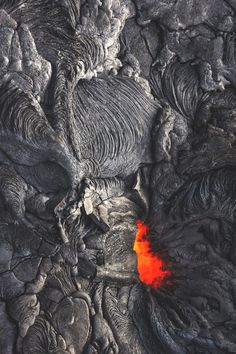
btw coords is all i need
(150, 266)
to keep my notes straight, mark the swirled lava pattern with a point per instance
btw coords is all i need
(150, 266)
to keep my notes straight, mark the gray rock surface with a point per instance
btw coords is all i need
(113, 111)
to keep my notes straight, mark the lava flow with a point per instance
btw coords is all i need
(150, 266)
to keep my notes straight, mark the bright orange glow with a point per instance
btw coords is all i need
(150, 266)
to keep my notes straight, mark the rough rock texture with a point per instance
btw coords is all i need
(113, 111)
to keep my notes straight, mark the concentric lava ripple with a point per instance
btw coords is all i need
(150, 266)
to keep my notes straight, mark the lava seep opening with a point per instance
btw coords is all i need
(151, 268)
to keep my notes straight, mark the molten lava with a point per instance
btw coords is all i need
(150, 266)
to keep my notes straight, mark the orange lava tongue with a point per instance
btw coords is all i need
(150, 266)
